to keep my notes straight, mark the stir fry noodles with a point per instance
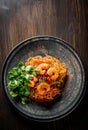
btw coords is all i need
(43, 79)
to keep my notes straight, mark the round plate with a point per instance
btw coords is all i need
(75, 85)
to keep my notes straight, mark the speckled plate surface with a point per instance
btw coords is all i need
(75, 86)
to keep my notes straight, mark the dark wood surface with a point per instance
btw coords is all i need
(21, 19)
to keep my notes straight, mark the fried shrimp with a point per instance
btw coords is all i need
(32, 84)
(43, 68)
(33, 81)
(43, 88)
(53, 73)
(34, 61)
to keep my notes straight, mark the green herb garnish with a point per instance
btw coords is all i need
(19, 79)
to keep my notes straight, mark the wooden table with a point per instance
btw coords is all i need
(21, 19)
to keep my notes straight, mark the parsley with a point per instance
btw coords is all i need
(19, 79)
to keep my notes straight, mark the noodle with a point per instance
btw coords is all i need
(50, 80)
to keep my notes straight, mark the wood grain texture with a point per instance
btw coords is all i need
(21, 19)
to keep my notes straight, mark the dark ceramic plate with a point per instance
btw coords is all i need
(75, 86)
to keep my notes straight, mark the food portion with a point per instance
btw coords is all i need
(40, 79)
